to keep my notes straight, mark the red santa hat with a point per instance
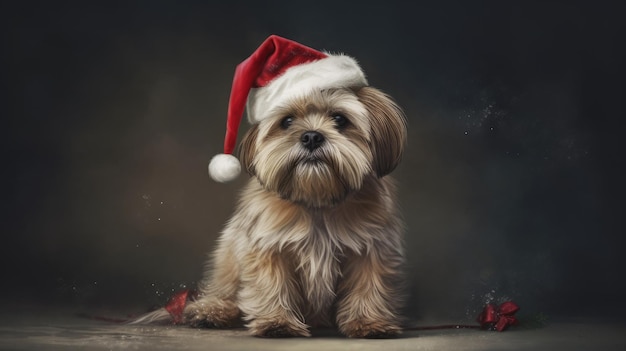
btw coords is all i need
(279, 70)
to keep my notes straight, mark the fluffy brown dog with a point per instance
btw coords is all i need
(316, 239)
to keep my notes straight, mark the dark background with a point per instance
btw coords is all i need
(512, 184)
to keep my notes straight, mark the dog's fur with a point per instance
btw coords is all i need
(316, 239)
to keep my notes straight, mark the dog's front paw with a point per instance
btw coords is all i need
(213, 313)
(277, 329)
(370, 329)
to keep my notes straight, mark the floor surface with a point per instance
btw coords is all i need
(64, 331)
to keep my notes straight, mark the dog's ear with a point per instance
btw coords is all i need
(247, 149)
(388, 129)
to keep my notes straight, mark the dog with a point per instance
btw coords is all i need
(316, 239)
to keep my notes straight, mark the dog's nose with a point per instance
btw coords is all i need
(312, 140)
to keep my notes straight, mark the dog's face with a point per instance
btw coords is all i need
(319, 148)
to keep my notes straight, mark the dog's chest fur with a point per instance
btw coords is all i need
(314, 248)
(314, 241)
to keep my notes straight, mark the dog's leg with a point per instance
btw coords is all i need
(216, 306)
(368, 299)
(270, 296)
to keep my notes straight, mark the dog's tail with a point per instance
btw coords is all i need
(172, 313)
(160, 316)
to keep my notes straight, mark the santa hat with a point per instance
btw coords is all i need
(279, 70)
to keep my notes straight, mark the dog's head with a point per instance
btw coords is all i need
(318, 148)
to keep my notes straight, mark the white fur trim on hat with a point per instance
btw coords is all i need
(334, 71)
(224, 168)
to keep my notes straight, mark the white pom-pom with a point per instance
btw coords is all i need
(224, 168)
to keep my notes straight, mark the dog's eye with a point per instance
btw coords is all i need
(340, 120)
(286, 122)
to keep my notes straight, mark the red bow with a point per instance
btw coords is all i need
(176, 305)
(498, 318)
